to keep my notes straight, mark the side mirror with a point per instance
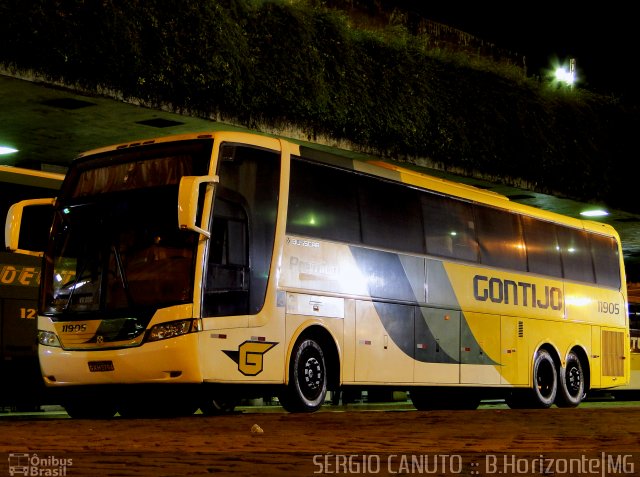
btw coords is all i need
(13, 224)
(188, 198)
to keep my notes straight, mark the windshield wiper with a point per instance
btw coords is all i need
(123, 275)
(75, 285)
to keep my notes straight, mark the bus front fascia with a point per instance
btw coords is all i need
(13, 224)
(188, 200)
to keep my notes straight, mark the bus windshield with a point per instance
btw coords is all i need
(116, 245)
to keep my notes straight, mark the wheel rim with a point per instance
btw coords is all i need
(313, 377)
(574, 381)
(545, 379)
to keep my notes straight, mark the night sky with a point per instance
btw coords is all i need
(603, 42)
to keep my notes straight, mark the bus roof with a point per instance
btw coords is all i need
(369, 164)
(30, 177)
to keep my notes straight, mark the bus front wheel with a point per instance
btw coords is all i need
(307, 386)
(571, 377)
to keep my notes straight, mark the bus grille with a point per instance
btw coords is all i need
(612, 353)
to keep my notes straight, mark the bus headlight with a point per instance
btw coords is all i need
(48, 338)
(171, 329)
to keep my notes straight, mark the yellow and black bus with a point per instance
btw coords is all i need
(23, 386)
(190, 271)
(631, 391)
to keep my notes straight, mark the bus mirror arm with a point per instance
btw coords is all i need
(13, 224)
(188, 199)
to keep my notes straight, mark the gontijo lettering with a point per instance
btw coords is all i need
(516, 293)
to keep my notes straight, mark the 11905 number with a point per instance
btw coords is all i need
(77, 328)
(608, 307)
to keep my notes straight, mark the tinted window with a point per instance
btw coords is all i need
(227, 284)
(449, 227)
(390, 215)
(500, 240)
(606, 260)
(323, 203)
(576, 254)
(543, 252)
(243, 231)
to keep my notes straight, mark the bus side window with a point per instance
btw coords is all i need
(543, 251)
(390, 216)
(606, 260)
(576, 255)
(315, 210)
(227, 280)
(449, 227)
(500, 239)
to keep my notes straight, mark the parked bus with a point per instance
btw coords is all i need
(192, 270)
(23, 387)
(631, 391)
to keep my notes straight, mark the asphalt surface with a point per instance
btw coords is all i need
(600, 438)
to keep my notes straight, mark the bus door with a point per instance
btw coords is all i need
(238, 261)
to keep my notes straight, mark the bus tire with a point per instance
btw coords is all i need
(572, 382)
(545, 385)
(307, 386)
(545, 380)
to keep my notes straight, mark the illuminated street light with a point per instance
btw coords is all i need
(7, 150)
(566, 76)
(594, 213)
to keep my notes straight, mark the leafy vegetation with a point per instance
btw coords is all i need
(298, 65)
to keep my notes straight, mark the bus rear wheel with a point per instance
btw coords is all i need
(307, 386)
(571, 390)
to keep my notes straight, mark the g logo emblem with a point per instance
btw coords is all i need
(250, 356)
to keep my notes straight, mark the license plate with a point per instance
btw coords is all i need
(100, 366)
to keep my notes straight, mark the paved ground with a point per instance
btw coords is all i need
(591, 440)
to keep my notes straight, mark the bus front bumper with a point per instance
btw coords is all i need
(172, 360)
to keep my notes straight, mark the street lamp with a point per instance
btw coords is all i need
(566, 76)
(594, 213)
(7, 150)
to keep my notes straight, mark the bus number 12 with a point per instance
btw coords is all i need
(28, 313)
